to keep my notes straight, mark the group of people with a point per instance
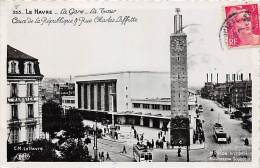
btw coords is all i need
(102, 157)
(198, 136)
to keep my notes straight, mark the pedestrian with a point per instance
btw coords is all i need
(152, 143)
(200, 140)
(157, 143)
(166, 158)
(158, 135)
(179, 152)
(102, 156)
(137, 137)
(99, 155)
(161, 133)
(214, 154)
(246, 142)
(124, 150)
(108, 157)
(135, 133)
(229, 139)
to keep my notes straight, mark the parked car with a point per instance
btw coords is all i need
(238, 114)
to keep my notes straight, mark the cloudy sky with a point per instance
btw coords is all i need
(94, 48)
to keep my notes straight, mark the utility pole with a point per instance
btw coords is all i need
(95, 142)
(112, 93)
(188, 156)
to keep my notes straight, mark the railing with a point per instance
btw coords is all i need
(29, 99)
(14, 99)
(19, 99)
(14, 122)
(30, 121)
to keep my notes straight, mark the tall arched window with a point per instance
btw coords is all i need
(29, 68)
(13, 66)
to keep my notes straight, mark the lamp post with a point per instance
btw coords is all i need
(112, 94)
(95, 142)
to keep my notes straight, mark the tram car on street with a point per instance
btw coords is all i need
(142, 154)
(219, 133)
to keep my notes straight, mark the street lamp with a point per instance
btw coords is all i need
(95, 142)
(112, 94)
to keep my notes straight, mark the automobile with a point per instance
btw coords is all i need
(219, 133)
(226, 112)
(211, 109)
(238, 114)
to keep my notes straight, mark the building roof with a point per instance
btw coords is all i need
(121, 72)
(13, 53)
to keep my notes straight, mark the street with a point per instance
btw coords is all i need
(235, 151)
(231, 126)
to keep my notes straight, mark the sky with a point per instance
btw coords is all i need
(97, 48)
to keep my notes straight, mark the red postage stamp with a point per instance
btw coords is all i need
(242, 23)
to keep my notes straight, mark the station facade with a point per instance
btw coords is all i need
(133, 97)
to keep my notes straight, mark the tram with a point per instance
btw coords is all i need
(142, 154)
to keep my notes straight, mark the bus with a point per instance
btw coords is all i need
(219, 133)
(142, 154)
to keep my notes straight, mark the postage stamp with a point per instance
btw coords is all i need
(242, 25)
(119, 82)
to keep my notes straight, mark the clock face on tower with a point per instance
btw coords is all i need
(179, 44)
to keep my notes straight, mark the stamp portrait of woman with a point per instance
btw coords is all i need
(242, 26)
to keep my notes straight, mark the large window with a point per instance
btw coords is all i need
(14, 90)
(146, 106)
(136, 105)
(166, 107)
(30, 111)
(30, 133)
(14, 135)
(13, 67)
(155, 106)
(14, 111)
(28, 68)
(29, 90)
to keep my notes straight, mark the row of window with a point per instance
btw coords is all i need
(14, 134)
(153, 106)
(68, 101)
(14, 69)
(14, 110)
(14, 90)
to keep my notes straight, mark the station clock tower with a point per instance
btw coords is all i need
(179, 127)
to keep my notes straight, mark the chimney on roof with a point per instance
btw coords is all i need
(226, 77)
(217, 78)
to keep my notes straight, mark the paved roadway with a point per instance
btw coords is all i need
(234, 151)
(231, 126)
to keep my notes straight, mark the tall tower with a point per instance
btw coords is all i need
(179, 84)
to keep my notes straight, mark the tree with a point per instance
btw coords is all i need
(73, 124)
(43, 150)
(72, 151)
(51, 117)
